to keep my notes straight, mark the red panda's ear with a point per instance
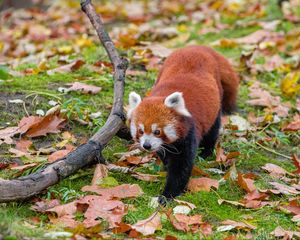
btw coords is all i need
(176, 101)
(134, 101)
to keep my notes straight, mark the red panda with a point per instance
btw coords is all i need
(183, 111)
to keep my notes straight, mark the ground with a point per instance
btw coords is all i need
(41, 41)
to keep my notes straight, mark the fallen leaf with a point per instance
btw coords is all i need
(289, 85)
(159, 50)
(39, 126)
(6, 134)
(23, 145)
(285, 189)
(99, 173)
(292, 208)
(230, 224)
(293, 126)
(206, 229)
(190, 205)
(296, 162)
(275, 170)
(121, 228)
(202, 184)
(149, 225)
(24, 167)
(44, 205)
(288, 235)
(145, 177)
(99, 208)
(67, 68)
(182, 209)
(246, 183)
(121, 191)
(85, 88)
(59, 155)
(196, 171)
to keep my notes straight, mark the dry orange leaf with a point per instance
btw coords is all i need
(149, 225)
(23, 145)
(85, 88)
(121, 191)
(99, 173)
(202, 184)
(246, 183)
(67, 68)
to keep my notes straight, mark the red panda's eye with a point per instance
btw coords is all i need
(156, 132)
(141, 131)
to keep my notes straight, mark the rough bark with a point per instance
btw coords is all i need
(86, 154)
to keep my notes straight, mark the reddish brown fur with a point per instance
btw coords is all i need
(206, 80)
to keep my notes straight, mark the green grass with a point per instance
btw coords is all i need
(16, 218)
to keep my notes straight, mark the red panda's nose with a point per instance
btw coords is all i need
(147, 145)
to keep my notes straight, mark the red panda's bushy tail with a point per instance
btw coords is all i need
(230, 83)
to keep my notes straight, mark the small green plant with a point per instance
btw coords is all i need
(65, 194)
(75, 108)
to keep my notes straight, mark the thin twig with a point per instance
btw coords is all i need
(272, 151)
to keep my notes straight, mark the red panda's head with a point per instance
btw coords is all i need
(155, 121)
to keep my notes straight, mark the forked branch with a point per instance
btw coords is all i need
(86, 154)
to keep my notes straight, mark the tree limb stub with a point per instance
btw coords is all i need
(86, 154)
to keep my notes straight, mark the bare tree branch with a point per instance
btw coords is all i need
(86, 154)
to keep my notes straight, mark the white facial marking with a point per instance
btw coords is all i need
(155, 142)
(154, 127)
(170, 132)
(176, 101)
(133, 129)
(134, 101)
(142, 127)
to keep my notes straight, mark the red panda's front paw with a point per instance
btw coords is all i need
(163, 200)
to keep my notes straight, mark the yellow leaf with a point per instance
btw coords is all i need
(66, 49)
(289, 85)
(83, 41)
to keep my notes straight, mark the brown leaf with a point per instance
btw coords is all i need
(296, 162)
(206, 229)
(185, 223)
(230, 224)
(27, 122)
(285, 189)
(190, 205)
(293, 126)
(44, 205)
(275, 170)
(122, 191)
(40, 126)
(24, 167)
(23, 145)
(189, 220)
(61, 153)
(287, 235)
(67, 68)
(65, 209)
(149, 225)
(145, 177)
(262, 97)
(196, 171)
(121, 228)
(169, 237)
(110, 210)
(293, 207)
(85, 88)
(246, 183)
(100, 173)
(202, 184)
(6, 134)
